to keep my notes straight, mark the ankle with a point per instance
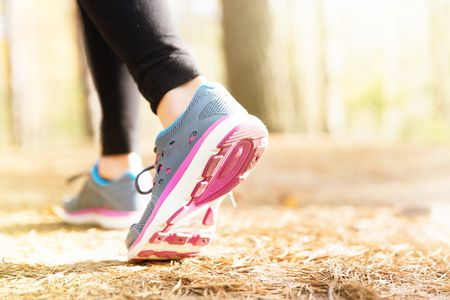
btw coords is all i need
(175, 101)
(111, 167)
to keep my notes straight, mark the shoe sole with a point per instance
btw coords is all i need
(182, 223)
(108, 219)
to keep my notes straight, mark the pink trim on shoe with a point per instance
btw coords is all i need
(101, 211)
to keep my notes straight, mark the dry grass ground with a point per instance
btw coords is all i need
(316, 220)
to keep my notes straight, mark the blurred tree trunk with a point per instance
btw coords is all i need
(256, 76)
(7, 122)
(310, 34)
(440, 56)
(324, 124)
(278, 77)
(331, 43)
(20, 71)
(386, 107)
(44, 75)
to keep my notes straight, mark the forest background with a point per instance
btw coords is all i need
(351, 200)
(350, 69)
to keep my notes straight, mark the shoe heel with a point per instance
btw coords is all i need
(240, 151)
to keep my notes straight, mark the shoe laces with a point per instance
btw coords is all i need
(77, 176)
(136, 181)
(233, 201)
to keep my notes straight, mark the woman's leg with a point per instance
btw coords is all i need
(209, 148)
(108, 198)
(143, 35)
(119, 100)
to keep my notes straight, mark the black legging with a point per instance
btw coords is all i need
(136, 37)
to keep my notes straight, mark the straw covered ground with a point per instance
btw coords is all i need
(316, 220)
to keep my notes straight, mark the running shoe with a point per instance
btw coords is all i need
(109, 204)
(200, 158)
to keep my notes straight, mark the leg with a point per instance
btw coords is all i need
(144, 36)
(109, 198)
(119, 100)
(203, 154)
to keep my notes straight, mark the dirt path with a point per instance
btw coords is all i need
(320, 218)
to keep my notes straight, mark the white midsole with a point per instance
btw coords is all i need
(181, 194)
(191, 224)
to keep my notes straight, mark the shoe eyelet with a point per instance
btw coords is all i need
(171, 143)
(192, 137)
(161, 181)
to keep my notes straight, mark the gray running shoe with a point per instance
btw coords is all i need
(206, 153)
(110, 204)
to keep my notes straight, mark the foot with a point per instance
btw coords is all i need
(111, 204)
(206, 153)
(112, 167)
